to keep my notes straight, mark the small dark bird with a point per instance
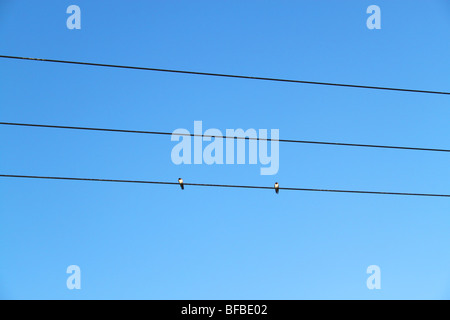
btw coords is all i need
(277, 187)
(180, 181)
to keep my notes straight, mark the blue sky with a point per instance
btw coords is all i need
(157, 242)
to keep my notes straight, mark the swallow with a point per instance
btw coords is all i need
(180, 181)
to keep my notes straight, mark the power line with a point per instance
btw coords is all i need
(227, 75)
(227, 186)
(223, 137)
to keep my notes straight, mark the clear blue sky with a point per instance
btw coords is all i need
(157, 242)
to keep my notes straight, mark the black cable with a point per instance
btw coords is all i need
(226, 75)
(223, 137)
(229, 186)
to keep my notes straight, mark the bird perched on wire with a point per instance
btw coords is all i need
(277, 187)
(180, 181)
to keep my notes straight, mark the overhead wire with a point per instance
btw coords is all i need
(214, 185)
(223, 137)
(224, 75)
